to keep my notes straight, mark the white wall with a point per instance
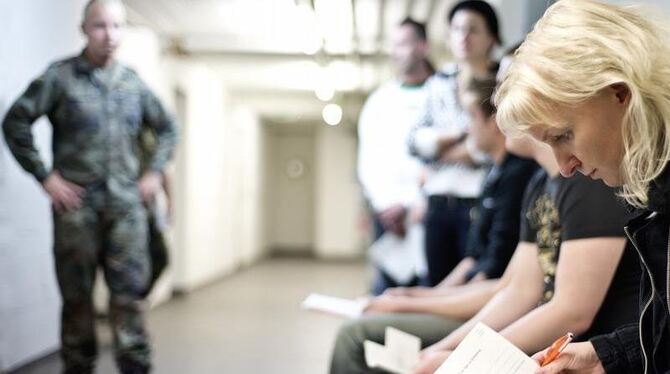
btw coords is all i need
(292, 199)
(218, 221)
(248, 160)
(201, 234)
(228, 203)
(321, 210)
(35, 33)
(338, 194)
(517, 18)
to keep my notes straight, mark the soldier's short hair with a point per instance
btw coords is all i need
(88, 6)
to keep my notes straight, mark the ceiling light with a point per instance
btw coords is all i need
(325, 92)
(332, 114)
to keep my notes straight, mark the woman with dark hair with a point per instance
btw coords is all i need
(455, 173)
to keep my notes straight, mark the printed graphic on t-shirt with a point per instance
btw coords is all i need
(544, 219)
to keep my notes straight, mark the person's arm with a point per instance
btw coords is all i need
(375, 173)
(35, 102)
(463, 302)
(456, 153)
(422, 291)
(157, 118)
(422, 139)
(371, 165)
(517, 298)
(620, 351)
(459, 275)
(39, 99)
(480, 276)
(431, 145)
(583, 275)
(575, 358)
(163, 125)
(458, 306)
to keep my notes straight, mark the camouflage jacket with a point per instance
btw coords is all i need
(97, 116)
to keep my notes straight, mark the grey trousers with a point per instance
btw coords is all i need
(348, 355)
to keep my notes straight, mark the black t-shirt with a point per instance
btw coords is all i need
(560, 209)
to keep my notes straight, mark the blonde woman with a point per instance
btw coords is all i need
(593, 81)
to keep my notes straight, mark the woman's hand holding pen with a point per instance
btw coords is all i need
(576, 358)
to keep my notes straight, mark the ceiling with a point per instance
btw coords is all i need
(285, 27)
(288, 52)
(279, 55)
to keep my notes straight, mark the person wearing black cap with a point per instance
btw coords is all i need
(456, 170)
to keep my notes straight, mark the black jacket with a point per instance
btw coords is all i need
(644, 347)
(494, 232)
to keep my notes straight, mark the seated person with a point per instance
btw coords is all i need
(570, 271)
(492, 237)
(492, 241)
(494, 232)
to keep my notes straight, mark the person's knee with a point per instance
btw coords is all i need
(348, 350)
(126, 304)
(351, 335)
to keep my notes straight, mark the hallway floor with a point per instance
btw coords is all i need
(247, 323)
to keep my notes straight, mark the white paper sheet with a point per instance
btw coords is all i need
(484, 351)
(399, 354)
(335, 305)
(400, 258)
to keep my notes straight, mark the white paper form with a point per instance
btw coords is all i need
(484, 351)
(335, 305)
(401, 258)
(399, 354)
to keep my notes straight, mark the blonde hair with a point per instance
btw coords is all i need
(88, 6)
(580, 47)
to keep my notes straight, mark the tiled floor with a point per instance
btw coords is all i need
(245, 324)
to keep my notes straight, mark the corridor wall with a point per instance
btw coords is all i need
(35, 33)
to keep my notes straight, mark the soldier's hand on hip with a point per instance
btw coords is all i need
(149, 185)
(65, 196)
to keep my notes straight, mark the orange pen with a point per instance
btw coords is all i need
(556, 348)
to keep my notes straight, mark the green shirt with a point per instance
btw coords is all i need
(97, 116)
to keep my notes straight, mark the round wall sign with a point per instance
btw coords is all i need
(295, 168)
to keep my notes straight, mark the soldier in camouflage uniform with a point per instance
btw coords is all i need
(97, 109)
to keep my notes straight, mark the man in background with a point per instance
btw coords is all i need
(388, 173)
(97, 109)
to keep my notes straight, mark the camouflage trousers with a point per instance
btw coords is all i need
(117, 242)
